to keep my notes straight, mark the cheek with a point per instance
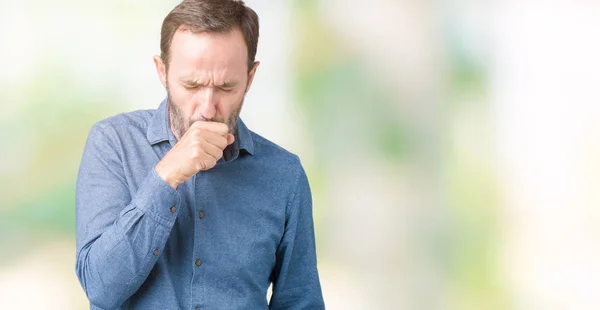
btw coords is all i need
(181, 97)
(230, 102)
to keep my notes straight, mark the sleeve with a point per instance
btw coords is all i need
(295, 277)
(119, 236)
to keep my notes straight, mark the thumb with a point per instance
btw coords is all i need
(230, 139)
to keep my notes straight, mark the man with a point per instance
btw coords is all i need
(184, 207)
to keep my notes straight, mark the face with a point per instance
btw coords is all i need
(207, 78)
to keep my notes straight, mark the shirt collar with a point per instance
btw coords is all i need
(243, 141)
(160, 131)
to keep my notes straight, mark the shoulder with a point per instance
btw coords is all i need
(124, 128)
(134, 119)
(276, 155)
(280, 166)
(284, 168)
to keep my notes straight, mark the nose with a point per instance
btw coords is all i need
(207, 103)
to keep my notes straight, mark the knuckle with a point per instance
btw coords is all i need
(209, 163)
(195, 153)
(222, 143)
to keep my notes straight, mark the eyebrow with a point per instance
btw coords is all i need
(190, 82)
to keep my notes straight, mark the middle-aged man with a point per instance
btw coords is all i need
(183, 207)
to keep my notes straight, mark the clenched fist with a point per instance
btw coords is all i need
(199, 149)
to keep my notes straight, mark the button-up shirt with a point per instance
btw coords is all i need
(216, 242)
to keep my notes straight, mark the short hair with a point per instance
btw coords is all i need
(217, 16)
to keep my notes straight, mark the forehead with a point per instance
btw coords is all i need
(207, 51)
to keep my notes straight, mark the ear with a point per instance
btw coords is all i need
(251, 75)
(161, 70)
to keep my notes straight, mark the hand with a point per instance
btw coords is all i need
(199, 149)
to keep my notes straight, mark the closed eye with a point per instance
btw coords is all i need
(190, 87)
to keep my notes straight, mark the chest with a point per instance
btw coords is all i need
(232, 219)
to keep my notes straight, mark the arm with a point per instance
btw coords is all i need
(295, 277)
(118, 233)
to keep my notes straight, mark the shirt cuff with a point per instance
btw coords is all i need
(158, 198)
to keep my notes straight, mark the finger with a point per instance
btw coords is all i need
(230, 139)
(209, 164)
(212, 150)
(203, 134)
(205, 164)
(215, 139)
(216, 127)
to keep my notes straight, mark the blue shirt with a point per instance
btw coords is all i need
(217, 242)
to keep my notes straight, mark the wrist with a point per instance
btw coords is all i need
(166, 175)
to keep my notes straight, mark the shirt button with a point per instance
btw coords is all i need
(155, 251)
(198, 262)
(201, 214)
(173, 209)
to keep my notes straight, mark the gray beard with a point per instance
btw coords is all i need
(179, 125)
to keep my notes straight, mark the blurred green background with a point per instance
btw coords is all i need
(452, 146)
